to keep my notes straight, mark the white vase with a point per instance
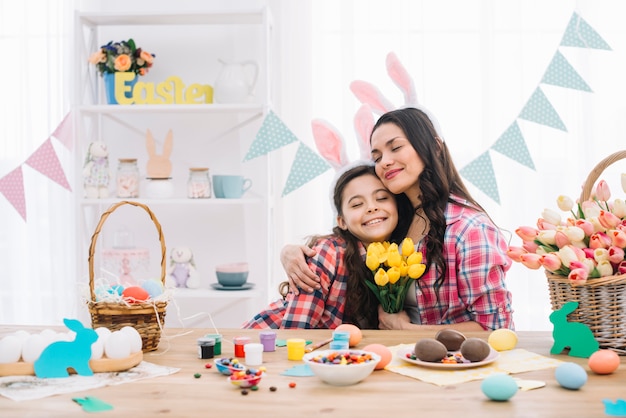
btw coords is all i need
(159, 188)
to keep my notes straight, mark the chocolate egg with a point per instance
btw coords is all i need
(451, 338)
(429, 349)
(475, 349)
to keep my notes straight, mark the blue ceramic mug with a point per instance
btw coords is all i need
(230, 186)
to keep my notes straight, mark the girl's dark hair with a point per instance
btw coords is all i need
(361, 307)
(437, 181)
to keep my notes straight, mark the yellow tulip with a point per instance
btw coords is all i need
(394, 274)
(372, 262)
(407, 247)
(394, 259)
(381, 277)
(404, 269)
(416, 270)
(415, 258)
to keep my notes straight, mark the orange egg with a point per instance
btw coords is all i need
(604, 362)
(383, 352)
(355, 333)
(135, 294)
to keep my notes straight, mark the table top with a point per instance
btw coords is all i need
(383, 393)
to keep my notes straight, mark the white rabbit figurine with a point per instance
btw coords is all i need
(159, 166)
(58, 357)
(96, 171)
(183, 269)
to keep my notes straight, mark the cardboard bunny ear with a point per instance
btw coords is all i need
(329, 143)
(168, 145)
(363, 125)
(368, 94)
(150, 145)
(401, 78)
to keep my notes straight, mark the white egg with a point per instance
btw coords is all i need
(10, 349)
(117, 345)
(49, 333)
(134, 337)
(97, 349)
(33, 346)
(103, 333)
(22, 335)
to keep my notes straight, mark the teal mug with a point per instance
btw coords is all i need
(230, 186)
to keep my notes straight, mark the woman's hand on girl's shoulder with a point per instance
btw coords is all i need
(300, 276)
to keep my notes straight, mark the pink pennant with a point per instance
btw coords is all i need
(12, 187)
(64, 132)
(45, 161)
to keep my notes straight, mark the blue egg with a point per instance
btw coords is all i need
(153, 288)
(499, 387)
(116, 289)
(570, 376)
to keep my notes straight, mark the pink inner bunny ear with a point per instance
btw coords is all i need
(363, 125)
(368, 94)
(329, 143)
(401, 78)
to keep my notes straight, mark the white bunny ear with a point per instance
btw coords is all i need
(363, 125)
(401, 78)
(368, 94)
(329, 143)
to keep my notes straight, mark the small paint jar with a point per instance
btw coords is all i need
(218, 342)
(339, 345)
(295, 349)
(206, 348)
(268, 339)
(341, 336)
(254, 354)
(239, 343)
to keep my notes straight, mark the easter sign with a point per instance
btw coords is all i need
(170, 91)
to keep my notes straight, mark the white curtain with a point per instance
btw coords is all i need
(475, 65)
(37, 283)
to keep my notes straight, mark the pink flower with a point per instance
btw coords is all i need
(608, 220)
(616, 254)
(561, 239)
(603, 192)
(530, 246)
(586, 226)
(532, 261)
(526, 233)
(590, 209)
(618, 238)
(544, 225)
(578, 276)
(515, 253)
(599, 240)
(550, 261)
(621, 267)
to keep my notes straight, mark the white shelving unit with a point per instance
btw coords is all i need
(214, 135)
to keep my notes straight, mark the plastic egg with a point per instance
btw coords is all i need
(97, 349)
(134, 338)
(22, 335)
(604, 362)
(383, 352)
(117, 345)
(499, 387)
(10, 349)
(355, 333)
(116, 289)
(153, 288)
(135, 294)
(502, 339)
(570, 376)
(33, 346)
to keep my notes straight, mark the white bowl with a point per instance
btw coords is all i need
(341, 374)
(232, 268)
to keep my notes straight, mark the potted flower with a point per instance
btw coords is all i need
(121, 57)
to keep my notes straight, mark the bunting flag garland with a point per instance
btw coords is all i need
(306, 166)
(511, 143)
(45, 161)
(580, 35)
(272, 135)
(538, 109)
(561, 73)
(480, 173)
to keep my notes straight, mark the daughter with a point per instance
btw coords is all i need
(366, 212)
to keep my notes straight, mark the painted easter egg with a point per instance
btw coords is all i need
(383, 352)
(570, 376)
(502, 339)
(135, 294)
(355, 333)
(604, 362)
(499, 387)
(153, 288)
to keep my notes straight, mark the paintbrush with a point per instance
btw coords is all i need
(318, 345)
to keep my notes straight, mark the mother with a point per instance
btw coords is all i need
(463, 286)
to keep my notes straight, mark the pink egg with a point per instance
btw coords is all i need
(382, 351)
(135, 294)
(604, 362)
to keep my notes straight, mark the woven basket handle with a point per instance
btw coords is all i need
(94, 238)
(597, 170)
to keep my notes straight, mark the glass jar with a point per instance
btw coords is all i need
(127, 178)
(199, 183)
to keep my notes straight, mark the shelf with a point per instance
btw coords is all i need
(253, 17)
(176, 201)
(192, 108)
(202, 293)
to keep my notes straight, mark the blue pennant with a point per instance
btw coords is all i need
(561, 73)
(538, 109)
(306, 166)
(272, 135)
(579, 34)
(480, 173)
(512, 144)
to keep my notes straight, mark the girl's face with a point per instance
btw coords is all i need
(397, 163)
(368, 210)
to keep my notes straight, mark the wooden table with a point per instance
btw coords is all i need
(382, 394)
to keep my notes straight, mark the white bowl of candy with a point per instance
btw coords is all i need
(342, 367)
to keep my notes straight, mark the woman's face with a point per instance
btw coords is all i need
(397, 163)
(368, 210)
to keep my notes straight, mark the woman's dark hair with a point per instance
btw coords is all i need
(437, 181)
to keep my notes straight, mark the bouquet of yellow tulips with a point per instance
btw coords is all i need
(393, 267)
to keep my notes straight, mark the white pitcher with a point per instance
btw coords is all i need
(235, 81)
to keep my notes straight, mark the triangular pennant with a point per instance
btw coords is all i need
(64, 132)
(12, 187)
(480, 173)
(305, 167)
(45, 160)
(272, 135)
(539, 110)
(579, 34)
(561, 73)
(511, 144)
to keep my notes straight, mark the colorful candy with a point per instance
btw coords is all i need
(343, 358)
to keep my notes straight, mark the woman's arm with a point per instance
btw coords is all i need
(401, 321)
(299, 273)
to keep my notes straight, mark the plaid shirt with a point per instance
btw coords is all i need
(474, 288)
(320, 309)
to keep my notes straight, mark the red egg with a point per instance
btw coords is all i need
(355, 333)
(135, 294)
(604, 362)
(383, 352)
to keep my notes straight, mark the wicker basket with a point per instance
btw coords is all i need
(601, 301)
(146, 317)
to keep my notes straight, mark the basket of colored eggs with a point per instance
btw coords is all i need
(244, 379)
(228, 366)
(343, 367)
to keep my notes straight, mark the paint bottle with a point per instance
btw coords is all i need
(295, 349)
(206, 347)
(341, 340)
(239, 343)
(254, 354)
(268, 339)
(218, 343)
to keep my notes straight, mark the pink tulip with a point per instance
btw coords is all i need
(599, 240)
(589, 252)
(515, 253)
(530, 246)
(578, 276)
(603, 192)
(618, 238)
(577, 265)
(532, 261)
(561, 239)
(526, 233)
(621, 267)
(616, 254)
(550, 261)
(544, 225)
(608, 220)
(586, 226)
